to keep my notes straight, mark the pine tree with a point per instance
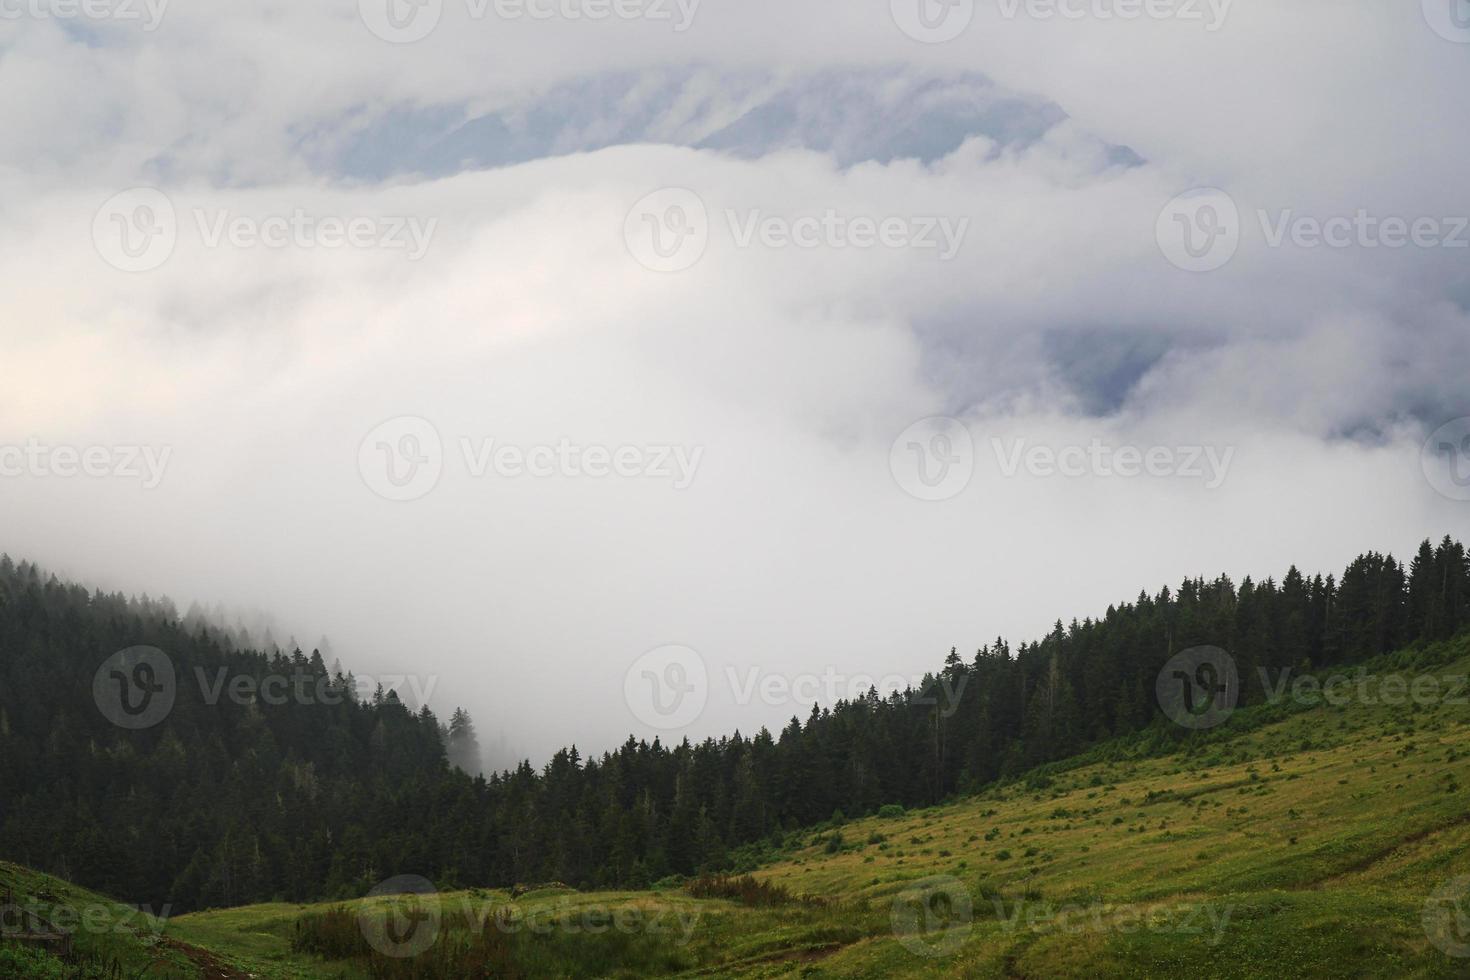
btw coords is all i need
(461, 744)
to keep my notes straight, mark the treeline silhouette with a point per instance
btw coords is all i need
(245, 800)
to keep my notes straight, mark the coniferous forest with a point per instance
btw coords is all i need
(228, 803)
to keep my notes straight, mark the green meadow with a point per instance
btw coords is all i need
(1299, 837)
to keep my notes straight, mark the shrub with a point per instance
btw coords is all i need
(890, 810)
(22, 961)
(748, 891)
(332, 935)
(463, 951)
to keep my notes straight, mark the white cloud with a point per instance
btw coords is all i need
(792, 369)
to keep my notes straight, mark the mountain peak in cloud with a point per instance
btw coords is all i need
(873, 115)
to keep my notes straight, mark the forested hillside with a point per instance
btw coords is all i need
(247, 800)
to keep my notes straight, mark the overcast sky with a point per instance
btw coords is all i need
(350, 304)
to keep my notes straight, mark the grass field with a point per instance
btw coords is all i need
(1296, 840)
(1305, 847)
(109, 939)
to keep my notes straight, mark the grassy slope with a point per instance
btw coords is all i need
(104, 932)
(1322, 835)
(1319, 832)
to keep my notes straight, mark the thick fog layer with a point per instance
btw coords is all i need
(506, 343)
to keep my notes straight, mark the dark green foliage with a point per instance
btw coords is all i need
(334, 935)
(461, 949)
(747, 890)
(236, 802)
